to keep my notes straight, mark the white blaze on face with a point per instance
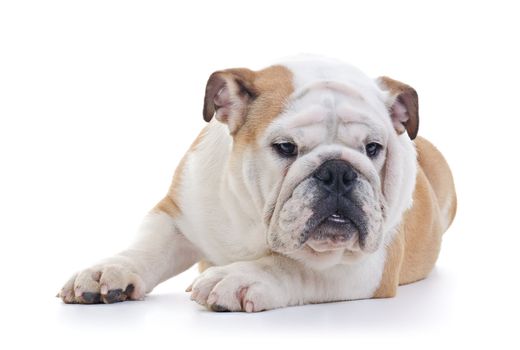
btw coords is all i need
(333, 113)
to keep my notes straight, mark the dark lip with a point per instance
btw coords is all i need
(347, 223)
(339, 226)
(347, 209)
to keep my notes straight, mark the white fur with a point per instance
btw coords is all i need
(227, 202)
(158, 253)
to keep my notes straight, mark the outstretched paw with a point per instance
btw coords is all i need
(106, 283)
(237, 287)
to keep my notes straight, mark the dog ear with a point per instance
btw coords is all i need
(403, 105)
(228, 95)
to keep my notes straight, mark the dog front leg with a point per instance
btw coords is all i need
(271, 282)
(159, 252)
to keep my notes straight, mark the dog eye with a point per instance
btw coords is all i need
(373, 149)
(286, 149)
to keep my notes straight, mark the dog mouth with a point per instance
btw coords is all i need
(335, 226)
(337, 218)
(339, 222)
(335, 233)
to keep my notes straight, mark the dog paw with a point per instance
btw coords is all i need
(105, 283)
(237, 287)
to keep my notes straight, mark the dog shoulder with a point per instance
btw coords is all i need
(196, 164)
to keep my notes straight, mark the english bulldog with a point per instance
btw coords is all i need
(308, 185)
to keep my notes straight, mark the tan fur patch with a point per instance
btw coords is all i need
(439, 175)
(273, 86)
(394, 260)
(169, 204)
(422, 232)
(204, 265)
(414, 251)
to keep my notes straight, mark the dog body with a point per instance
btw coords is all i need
(304, 187)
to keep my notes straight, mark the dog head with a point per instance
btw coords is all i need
(323, 151)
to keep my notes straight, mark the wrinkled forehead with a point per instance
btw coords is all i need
(311, 72)
(331, 103)
(318, 100)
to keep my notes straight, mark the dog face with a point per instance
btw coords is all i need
(327, 160)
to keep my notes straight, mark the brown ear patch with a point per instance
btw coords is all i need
(404, 106)
(247, 101)
(215, 83)
(228, 95)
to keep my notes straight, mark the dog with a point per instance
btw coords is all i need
(308, 185)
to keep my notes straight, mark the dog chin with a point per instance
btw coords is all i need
(327, 245)
(321, 256)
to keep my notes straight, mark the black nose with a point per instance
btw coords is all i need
(336, 176)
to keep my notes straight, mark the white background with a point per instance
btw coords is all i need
(100, 99)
